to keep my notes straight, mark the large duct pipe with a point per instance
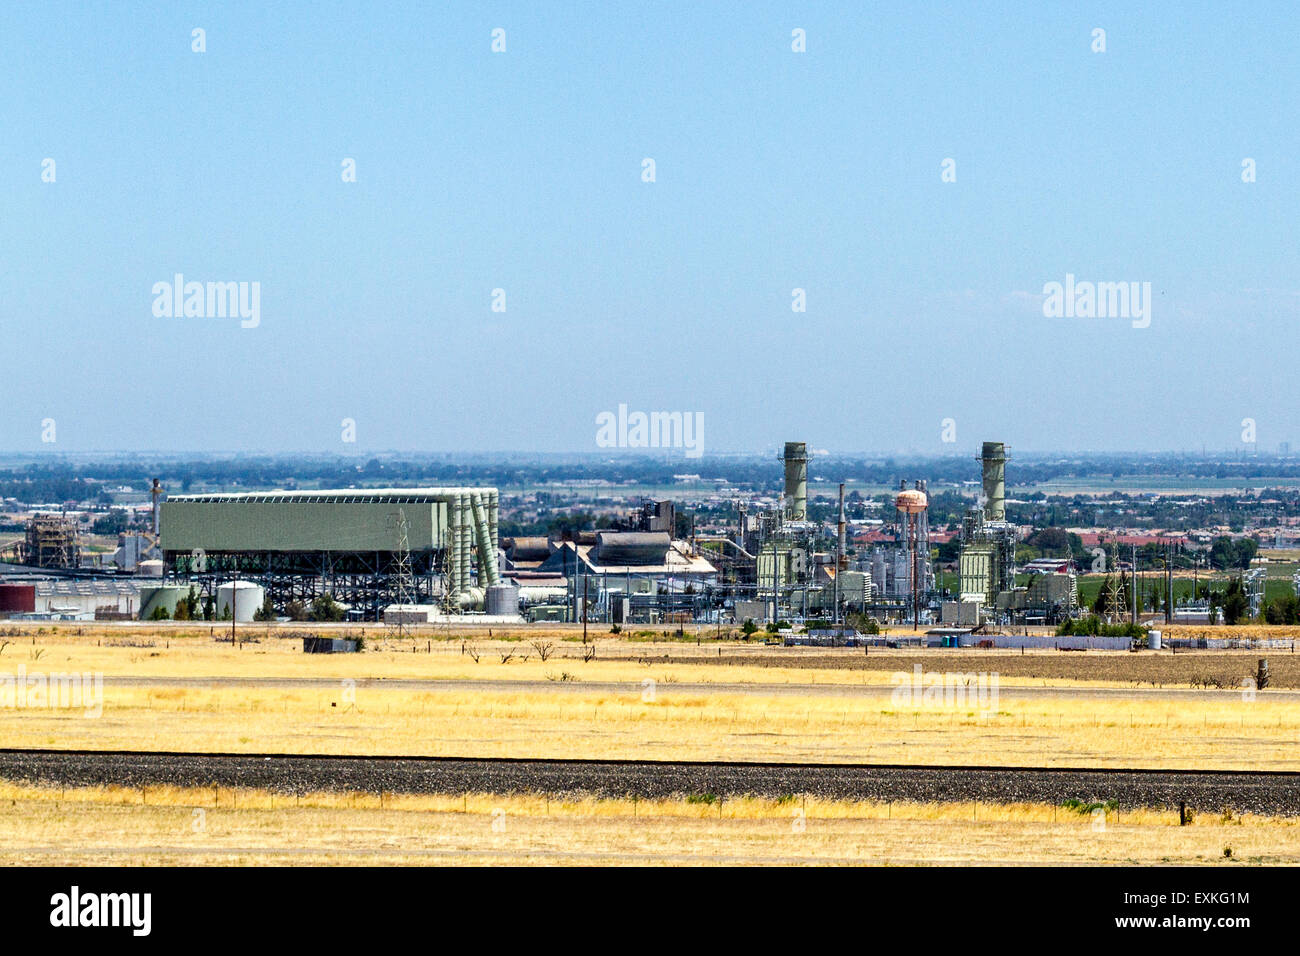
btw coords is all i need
(462, 508)
(796, 480)
(487, 549)
(453, 550)
(993, 458)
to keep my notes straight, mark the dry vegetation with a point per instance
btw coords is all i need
(170, 826)
(527, 707)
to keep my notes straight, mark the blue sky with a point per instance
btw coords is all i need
(522, 170)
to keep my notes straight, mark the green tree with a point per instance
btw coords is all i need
(266, 612)
(325, 608)
(1235, 603)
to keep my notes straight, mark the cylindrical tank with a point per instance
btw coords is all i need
(993, 458)
(166, 597)
(1154, 639)
(796, 480)
(528, 549)
(247, 598)
(911, 502)
(502, 599)
(632, 547)
(17, 598)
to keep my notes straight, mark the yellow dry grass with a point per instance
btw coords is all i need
(150, 654)
(1144, 731)
(348, 709)
(172, 826)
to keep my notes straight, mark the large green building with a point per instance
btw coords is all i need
(366, 547)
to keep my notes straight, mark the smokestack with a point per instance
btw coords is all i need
(796, 480)
(993, 458)
(839, 554)
(840, 561)
(156, 492)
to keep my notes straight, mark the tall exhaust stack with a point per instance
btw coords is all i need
(796, 480)
(156, 493)
(993, 458)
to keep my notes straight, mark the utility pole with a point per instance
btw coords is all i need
(234, 594)
(839, 555)
(1133, 586)
(1169, 585)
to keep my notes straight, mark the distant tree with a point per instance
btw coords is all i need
(159, 614)
(295, 611)
(266, 612)
(325, 608)
(187, 608)
(115, 522)
(1235, 603)
(1051, 541)
(1228, 554)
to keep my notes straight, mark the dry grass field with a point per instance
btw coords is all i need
(169, 826)
(506, 705)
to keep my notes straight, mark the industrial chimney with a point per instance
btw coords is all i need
(993, 458)
(796, 480)
(156, 493)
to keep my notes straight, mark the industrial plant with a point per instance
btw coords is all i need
(414, 555)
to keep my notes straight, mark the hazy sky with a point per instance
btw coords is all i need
(523, 171)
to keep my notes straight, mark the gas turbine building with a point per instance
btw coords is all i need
(368, 548)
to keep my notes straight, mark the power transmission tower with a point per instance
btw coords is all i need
(1113, 608)
(405, 581)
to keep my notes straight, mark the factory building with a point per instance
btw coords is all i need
(368, 548)
(70, 599)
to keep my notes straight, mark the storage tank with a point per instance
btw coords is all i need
(1154, 640)
(632, 547)
(166, 596)
(149, 569)
(502, 599)
(17, 598)
(248, 599)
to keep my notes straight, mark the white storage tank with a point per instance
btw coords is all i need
(248, 598)
(166, 597)
(1154, 640)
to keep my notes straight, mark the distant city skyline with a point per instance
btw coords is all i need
(870, 229)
